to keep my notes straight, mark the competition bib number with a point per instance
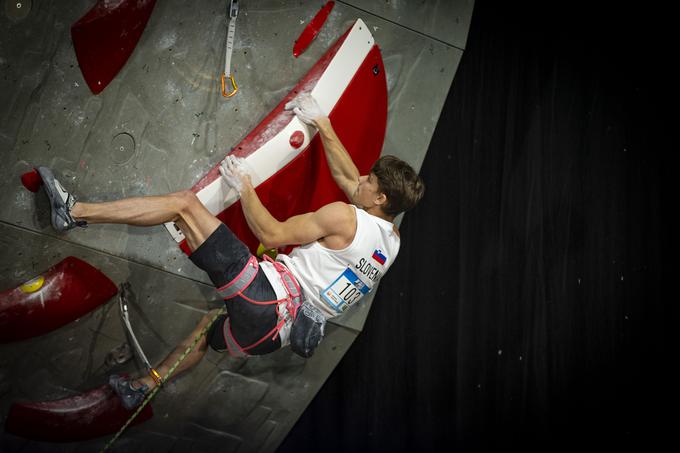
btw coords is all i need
(346, 290)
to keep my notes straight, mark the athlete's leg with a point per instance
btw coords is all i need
(132, 392)
(141, 211)
(183, 208)
(191, 360)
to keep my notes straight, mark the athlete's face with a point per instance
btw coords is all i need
(368, 192)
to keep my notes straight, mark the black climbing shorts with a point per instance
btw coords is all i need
(223, 256)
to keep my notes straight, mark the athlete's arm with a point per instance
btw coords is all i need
(344, 171)
(335, 223)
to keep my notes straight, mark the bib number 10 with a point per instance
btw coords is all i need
(346, 290)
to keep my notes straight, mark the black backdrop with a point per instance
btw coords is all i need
(525, 308)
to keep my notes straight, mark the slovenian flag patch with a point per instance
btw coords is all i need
(379, 257)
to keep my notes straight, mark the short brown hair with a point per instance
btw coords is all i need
(399, 182)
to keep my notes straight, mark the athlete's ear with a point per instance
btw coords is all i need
(380, 200)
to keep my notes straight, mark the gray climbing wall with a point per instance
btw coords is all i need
(158, 127)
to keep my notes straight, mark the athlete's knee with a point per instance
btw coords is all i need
(186, 201)
(209, 317)
(212, 314)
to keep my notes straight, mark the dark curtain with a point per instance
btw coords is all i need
(526, 309)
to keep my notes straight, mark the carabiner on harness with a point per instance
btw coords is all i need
(125, 290)
(231, 31)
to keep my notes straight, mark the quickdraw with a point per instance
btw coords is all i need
(123, 303)
(231, 31)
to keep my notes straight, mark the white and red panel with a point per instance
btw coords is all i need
(290, 171)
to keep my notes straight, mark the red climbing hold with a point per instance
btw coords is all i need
(312, 29)
(105, 37)
(62, 294)
(297, 138)
(88, 415)
(32, 180)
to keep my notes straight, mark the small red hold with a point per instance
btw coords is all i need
(185, 247)
(297, 139)
(312, 29)
(32, 180)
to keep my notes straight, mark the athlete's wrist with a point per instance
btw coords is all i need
(322, 123)
(246, 188)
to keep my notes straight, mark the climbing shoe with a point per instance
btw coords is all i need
(129, 396)
(61, 202)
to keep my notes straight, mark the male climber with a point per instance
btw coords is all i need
(346, 248)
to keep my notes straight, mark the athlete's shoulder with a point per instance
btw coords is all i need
(339, 208)
(339, 205)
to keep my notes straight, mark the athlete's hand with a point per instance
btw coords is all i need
(236, 173)
(306, 108)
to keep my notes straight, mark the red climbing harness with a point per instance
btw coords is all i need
(237, 286)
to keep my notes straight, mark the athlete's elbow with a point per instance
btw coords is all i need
(269, 242)
(272, 239)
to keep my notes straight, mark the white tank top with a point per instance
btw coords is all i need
(334, 280)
